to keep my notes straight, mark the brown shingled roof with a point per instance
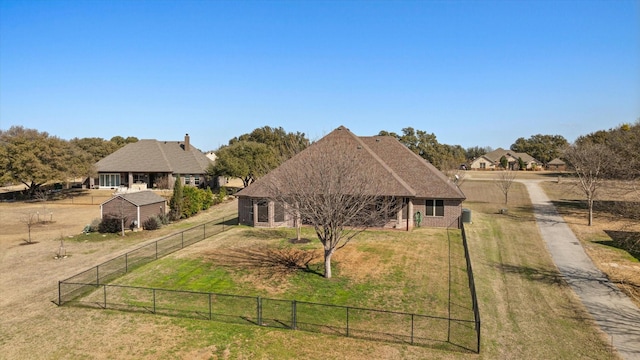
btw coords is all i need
(140, 198)
(399, 171)
(155, 156)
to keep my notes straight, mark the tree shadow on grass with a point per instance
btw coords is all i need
(544, 276)
(628, 241)
(270, 260)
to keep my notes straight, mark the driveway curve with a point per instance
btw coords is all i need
(612, 310)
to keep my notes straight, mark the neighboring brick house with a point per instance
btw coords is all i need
(415, 183)
(557, 165)
(136, 207)
(153, 164)
(491, 160)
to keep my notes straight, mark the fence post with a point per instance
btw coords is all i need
(126, 262)
(204, 231)
(104, 287)
(182, 239)
(210, 306)
(223, 221)
(97, 275)
(347, 321)
(293, 315)
(59, 293)
(259, 310)
(412, 329)
(154, 301)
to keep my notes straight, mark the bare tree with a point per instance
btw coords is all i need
(589, 165)
(29, 219)
(337, 195)
(504, 181)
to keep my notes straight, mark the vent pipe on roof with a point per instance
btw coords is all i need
(186, 142)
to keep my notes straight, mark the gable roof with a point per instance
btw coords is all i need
(496, 154)
(399, 171)
(556, 161)
(155, 156)
(140, 198)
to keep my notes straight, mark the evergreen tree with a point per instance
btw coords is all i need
(176, 202)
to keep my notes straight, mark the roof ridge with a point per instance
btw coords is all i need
(437, 172)
(380, 161)
(164, 156)
(384, 165)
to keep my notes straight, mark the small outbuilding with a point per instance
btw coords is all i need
(135, 207)
(557, 165)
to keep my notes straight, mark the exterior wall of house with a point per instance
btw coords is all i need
(248, 214)
(151, 210)
(452, 213)
(557, 167)
(119, 207)
(245, 211)
(476, 164)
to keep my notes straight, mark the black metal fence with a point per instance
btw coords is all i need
(382, 325)
(86, 281)
(472, 287)
(90, 288)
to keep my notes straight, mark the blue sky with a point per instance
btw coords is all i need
(471, 72)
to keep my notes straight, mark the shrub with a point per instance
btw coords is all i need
(164, 219)
(207, 198)
(95, 225)
(151, 223)
(110, 224)
(222, 194)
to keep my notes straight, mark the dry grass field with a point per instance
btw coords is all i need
(611, 233)
(527, 311)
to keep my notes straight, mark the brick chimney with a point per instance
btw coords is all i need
(186, 142)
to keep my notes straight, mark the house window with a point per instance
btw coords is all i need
(483, 165)
(196, 180)
(435, 208)
(139, 178)
(187, 179)
(109, 180)
(263, 211)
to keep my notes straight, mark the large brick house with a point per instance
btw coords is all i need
(491, 160)
(153, 164)
(423, 192)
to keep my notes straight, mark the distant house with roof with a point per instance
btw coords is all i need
(420, 189)
(135, 207)
(556, 165)
(491, 160)
(153, 164)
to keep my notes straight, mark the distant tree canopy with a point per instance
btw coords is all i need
(98, 148)
(622, 141)
(442, 156)
(34, 158)
(247, 160)
(475, 152)
(120, 141)
(250, 156)
(542, 147)
(284, 145)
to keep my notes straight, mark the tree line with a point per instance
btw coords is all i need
(34, 158)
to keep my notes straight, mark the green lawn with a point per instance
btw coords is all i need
(394, 273)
